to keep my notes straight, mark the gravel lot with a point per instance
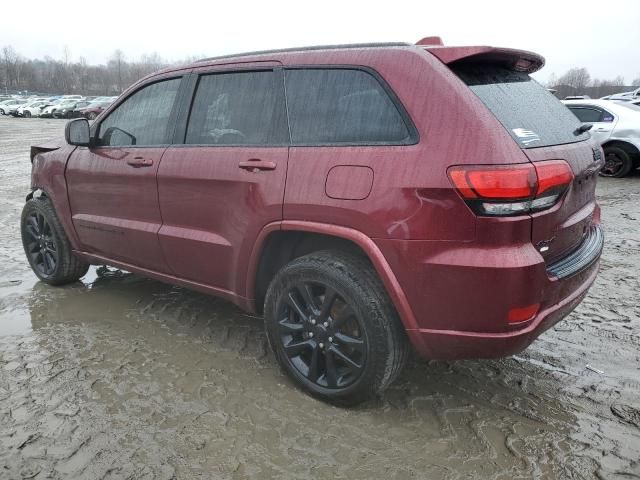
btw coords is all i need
(124, 377)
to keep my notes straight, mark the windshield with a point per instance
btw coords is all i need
(530, 113)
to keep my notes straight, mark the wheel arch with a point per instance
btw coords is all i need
(61, 207)
(282, 242)
(628, 147)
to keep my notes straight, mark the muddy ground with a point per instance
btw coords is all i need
(124, 377)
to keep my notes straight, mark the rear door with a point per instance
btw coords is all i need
(546, 130)
(112, 187)
(224, 179)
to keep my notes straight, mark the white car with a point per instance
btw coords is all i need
(624, 96)
(616, 126)
(9, 106)
(32, 109)
(52, 107)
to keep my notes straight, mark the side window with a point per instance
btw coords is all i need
(341, 106)
(606, 117)
(239, 108)
(587, 115)
(143, 118)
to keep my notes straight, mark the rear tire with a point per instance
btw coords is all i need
(618, 163)
(26, 114)
(333, 328)
(46, 245)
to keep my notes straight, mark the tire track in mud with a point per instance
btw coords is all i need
(123, 377)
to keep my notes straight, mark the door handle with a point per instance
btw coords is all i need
(140, 162)
(255, 164)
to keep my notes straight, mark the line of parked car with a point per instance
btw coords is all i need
(65, 106)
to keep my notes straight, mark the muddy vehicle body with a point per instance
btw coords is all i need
(364, 198)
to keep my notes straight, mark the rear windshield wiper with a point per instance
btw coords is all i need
(582, 128)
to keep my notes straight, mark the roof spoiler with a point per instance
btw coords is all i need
(517, 60)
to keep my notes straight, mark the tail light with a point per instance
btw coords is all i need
(511, 189)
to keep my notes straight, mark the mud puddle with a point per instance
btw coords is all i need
(123, 377)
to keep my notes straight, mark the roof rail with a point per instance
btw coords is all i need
(306, 49)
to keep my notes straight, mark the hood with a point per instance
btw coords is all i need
(47, 146)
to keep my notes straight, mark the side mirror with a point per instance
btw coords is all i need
(77, 132)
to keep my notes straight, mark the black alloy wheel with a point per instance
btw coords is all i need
(321, 335)
(618, 163)
(46, 245)
(333, 328)
(41, 244)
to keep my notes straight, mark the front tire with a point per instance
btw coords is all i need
(333, 327)
(92, 115)
(46, 245)
(26, 114)
(618, 163)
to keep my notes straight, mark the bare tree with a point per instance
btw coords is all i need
(118, 63)
(636, 82)
(576, 77)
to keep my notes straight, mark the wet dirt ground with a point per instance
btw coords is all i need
(124, 377)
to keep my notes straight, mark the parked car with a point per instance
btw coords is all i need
(7, 105)
(91, 111)
(67, 109)
(31, 109)
(53, 106)
(358, 217)
(12, 109)
(577, 97)
(624, 96)
(616, 126)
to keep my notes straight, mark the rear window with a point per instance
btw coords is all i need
(531, 114)
(587, 115)
(240, 108)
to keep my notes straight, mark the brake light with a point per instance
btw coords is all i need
(511, 189)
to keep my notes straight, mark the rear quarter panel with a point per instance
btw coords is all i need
(411, 196)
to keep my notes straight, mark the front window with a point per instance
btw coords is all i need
(143, 118)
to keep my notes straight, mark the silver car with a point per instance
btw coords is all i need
(616, 126)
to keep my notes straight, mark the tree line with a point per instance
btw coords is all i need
(578, 81)
(50, 75)
(65, 76)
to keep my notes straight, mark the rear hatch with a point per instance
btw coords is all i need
(543, 128)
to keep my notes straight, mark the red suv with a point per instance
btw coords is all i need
(364, 198)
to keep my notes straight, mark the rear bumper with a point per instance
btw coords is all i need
(451, 345)
(461, 294)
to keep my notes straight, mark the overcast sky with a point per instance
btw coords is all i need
(603, 36)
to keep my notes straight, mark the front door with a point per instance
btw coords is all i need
(227, 180)
(113, 186)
